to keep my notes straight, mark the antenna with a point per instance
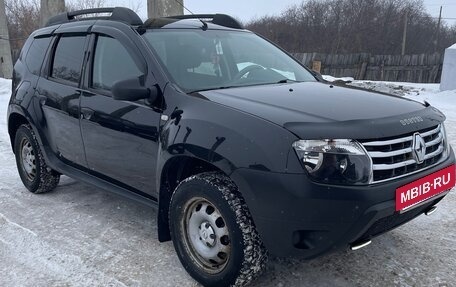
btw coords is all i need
(180, 3)
(183, 6)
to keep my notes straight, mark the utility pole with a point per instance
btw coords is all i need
(437, 42)
(6, 63)
(50, 8)
(164, 8)
(404, 37)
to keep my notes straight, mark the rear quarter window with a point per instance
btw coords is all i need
(36, 53)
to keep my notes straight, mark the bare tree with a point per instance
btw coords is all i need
(84, 4)
(136, 6)
(350, 26)
(23, 18)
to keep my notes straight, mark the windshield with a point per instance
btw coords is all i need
(214, 59)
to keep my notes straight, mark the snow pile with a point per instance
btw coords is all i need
(398, 88)
(5, 93)
(5, 87)
(333, 79)
(393, 88)
(449, 70)
(444, 101)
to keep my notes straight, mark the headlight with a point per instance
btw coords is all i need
(335, 161)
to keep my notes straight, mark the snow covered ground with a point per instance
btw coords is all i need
(79, 235)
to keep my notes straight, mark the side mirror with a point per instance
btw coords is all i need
(133, 90)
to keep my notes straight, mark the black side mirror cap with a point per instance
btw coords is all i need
(133, 90)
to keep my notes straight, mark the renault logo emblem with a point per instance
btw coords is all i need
(419, 148)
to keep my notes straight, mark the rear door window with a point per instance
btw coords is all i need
(68, 57)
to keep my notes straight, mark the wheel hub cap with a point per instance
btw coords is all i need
(207, 234)
(28, 159)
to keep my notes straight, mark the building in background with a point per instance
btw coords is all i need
(448, 81)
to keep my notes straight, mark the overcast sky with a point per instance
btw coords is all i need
(249, 9)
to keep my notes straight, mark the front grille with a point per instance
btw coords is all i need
(393, 157)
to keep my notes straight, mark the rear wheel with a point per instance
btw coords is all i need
(35, 174)
(213, 232)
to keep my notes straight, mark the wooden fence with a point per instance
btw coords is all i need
(424, 68)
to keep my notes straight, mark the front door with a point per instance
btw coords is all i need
(120, 137)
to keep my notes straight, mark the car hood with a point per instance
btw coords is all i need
(315, 110)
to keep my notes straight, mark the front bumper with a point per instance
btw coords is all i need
(297, 217)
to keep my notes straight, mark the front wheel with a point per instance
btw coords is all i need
(213, 233)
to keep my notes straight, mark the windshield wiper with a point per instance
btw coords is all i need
(214, 88)
(285, 81)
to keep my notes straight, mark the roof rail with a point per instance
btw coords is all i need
(120, 14)
(218, 19)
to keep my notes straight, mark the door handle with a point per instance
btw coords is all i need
(86, 113)
(41, 98)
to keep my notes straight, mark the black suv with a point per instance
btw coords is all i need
(242, 149)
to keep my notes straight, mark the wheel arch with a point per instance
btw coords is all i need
(15, 120)
(173, 172)
(17, 116)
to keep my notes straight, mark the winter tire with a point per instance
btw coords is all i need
(35, 174)
(213, 233)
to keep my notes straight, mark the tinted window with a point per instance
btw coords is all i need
(68, 58)
(36, 53)
(112, 63)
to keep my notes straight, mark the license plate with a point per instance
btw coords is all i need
(424, 188)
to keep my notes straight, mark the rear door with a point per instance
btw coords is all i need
(120, 137)
(59, 94)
